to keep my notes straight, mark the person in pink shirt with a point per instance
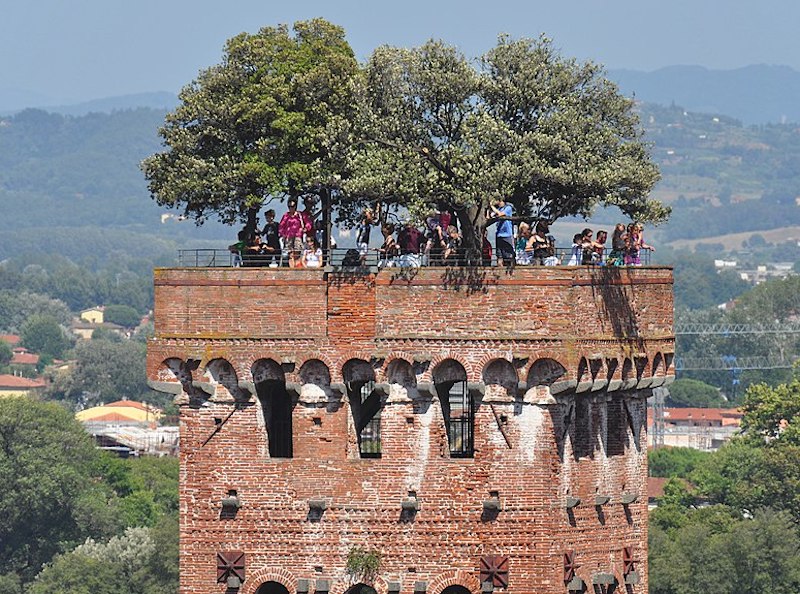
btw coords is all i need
(292, 227)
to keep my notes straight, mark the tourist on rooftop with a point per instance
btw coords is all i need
(539, 245)
(271, 241)
(520, 247)
(390, 249)
(617, 255)
(312, 255)
(291, 229)
(409, 240)
(452, 253)
(501, 213)
(576, 255)
(363, 230)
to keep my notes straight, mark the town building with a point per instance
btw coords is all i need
(435, 430)
(15, 385)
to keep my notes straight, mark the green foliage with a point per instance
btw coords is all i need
(104, 371)
(363, 563)
(256, 125)
(773, 413)
(123, 315)
(44, 335)
(45, 468)
(674, 462)
(5, 353)
(694, 393)
(140, 561)
(17, 305)
(714, 551)
(552, 136)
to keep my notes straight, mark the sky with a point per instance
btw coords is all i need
(55, 52)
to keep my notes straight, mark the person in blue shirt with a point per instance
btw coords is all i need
(504, 234)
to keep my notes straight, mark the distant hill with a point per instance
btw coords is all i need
(157, 100)
(754, 94)
(63, 174)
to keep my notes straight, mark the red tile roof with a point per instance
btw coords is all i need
(655, 487)
(11, 339)
(721, 415)
(25, 359)
(130, 403)
(14, 381)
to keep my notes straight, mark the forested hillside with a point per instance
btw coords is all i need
(72, 185)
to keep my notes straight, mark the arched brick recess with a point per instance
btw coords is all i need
(658, 366)
(173, 369)
(437, 361)
(502, 373)
(303, 358)
(267, 369)
(544, 372)
(254, 580)
(314, 371)
(357, 370)
(448, 369)
(400, 371)
(342, 586)
(455, 578)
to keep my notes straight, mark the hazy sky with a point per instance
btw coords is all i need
(65, 51)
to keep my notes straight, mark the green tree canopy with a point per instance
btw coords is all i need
(284, 115)
(257, 124)
(689, 392)
(104, 371)
(124, 315)
(550, 135)
(44, 335)
(46, 459)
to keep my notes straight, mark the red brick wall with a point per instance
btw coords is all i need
(526, 439)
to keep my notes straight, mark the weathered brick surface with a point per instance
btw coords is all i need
(535, 445)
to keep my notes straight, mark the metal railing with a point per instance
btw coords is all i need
(369, 443)
(350, 257)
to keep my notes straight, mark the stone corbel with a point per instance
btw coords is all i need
(173, 388)
(563, 386)
(426, 389)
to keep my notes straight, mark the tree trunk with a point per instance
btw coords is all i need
(473, 225)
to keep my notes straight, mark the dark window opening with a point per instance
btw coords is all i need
(366, 404)
(277, 407)
(458, 409)
(272, 588)
(455, 590)
(361, 589)
(582, 444)
(617, 428)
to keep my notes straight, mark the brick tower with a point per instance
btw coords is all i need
(431, 430)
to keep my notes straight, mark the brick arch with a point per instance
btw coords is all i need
(346, 356)
(627, 370)
(544, 371)
(658, 363)
(303, 358)
(267, 369)
(500, 372)
(458, 577)
(343, 586)
(357, 369)
(400, 371)
(445, 369)
(314, 371)
(173, 369)
(613, 368)
(271, 574)
(221, 372)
